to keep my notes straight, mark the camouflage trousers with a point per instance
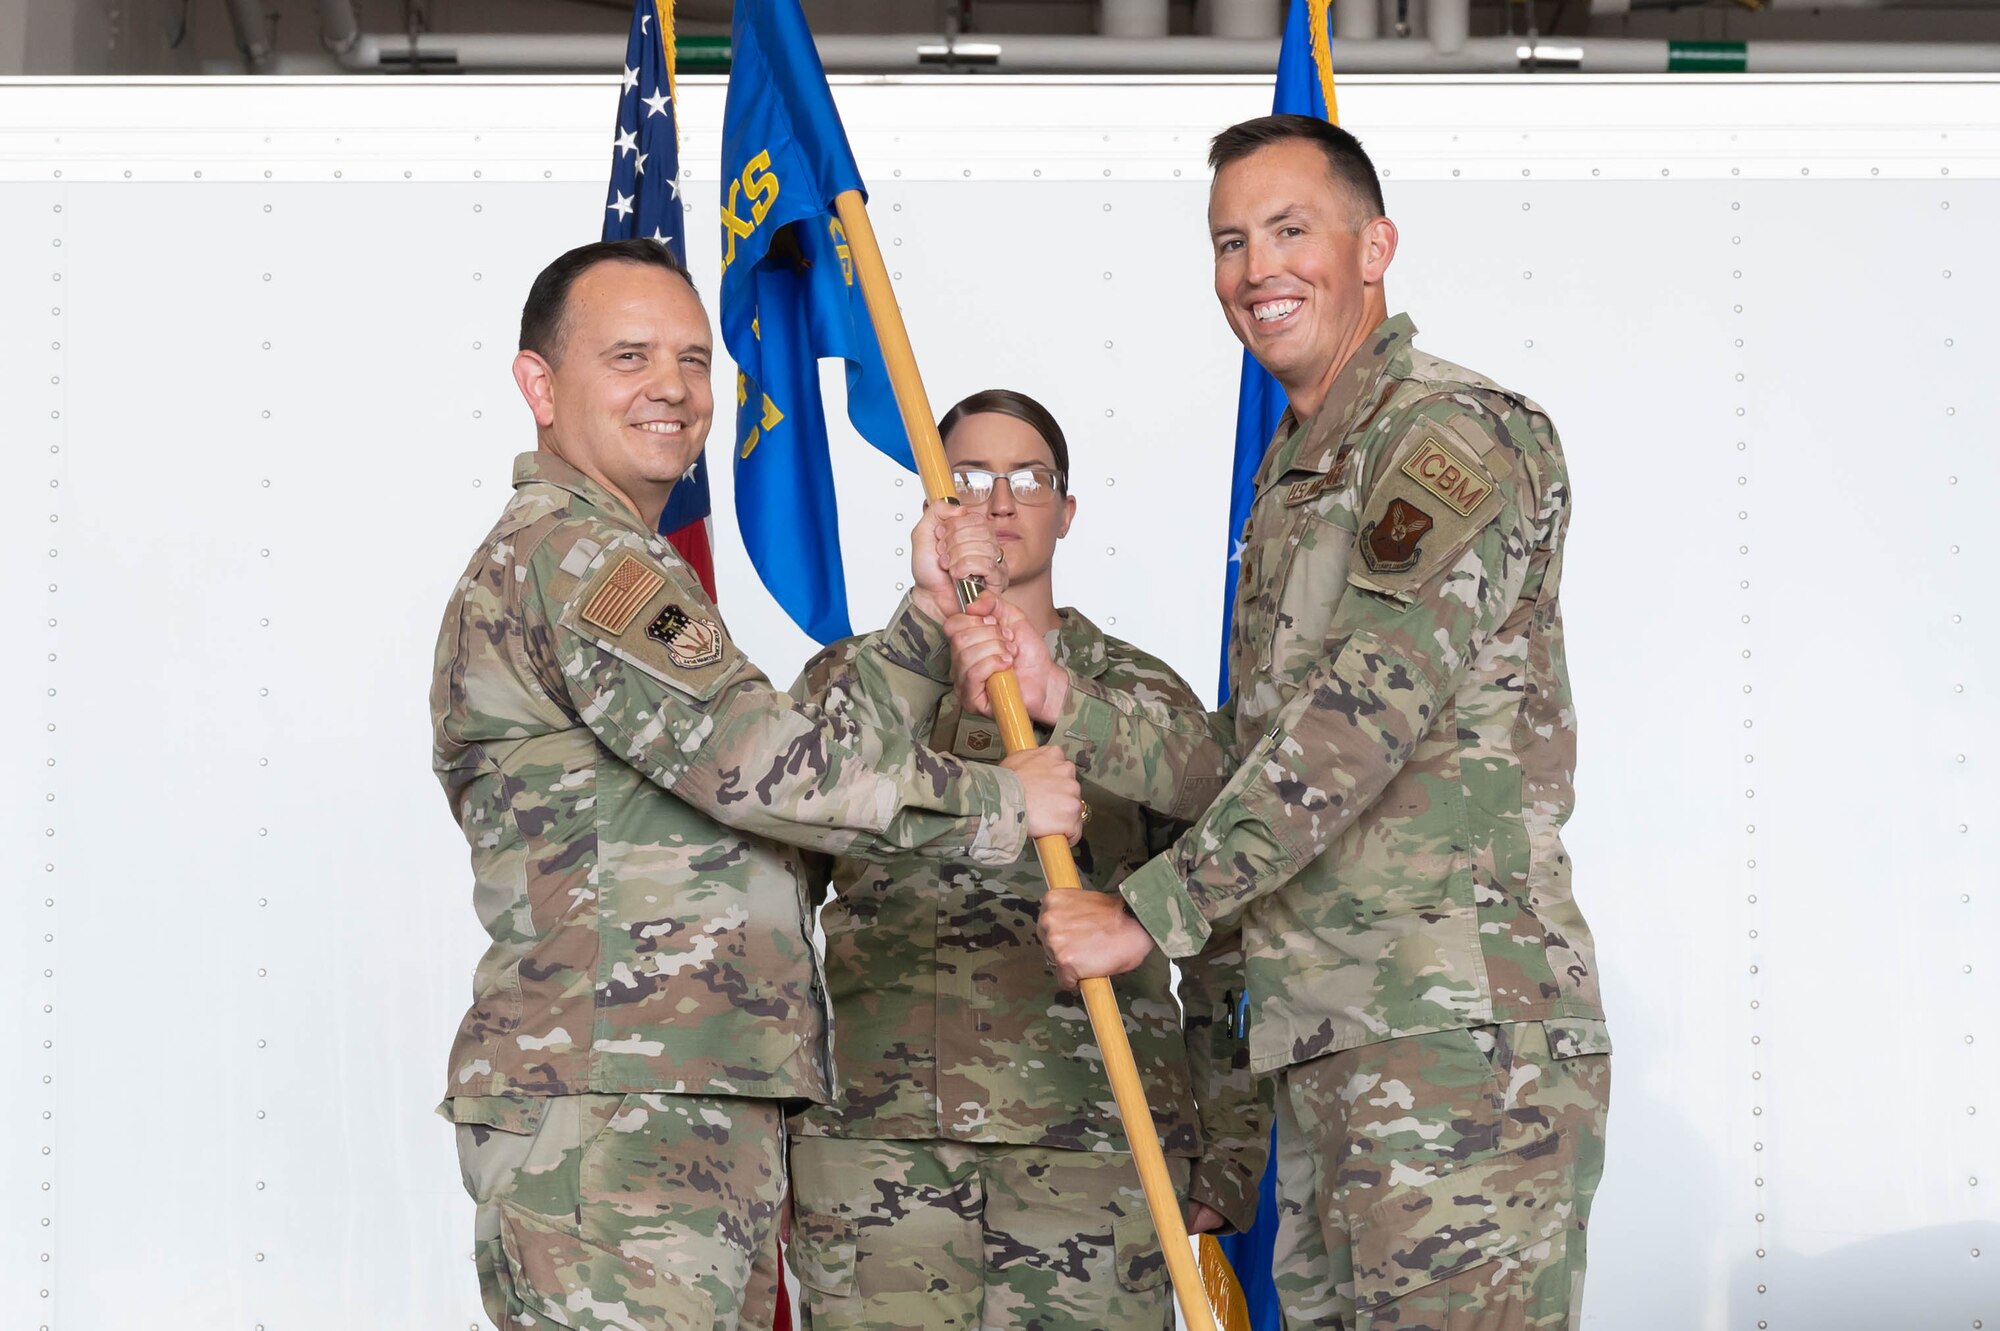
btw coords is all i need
(624, 1212)
(1439, 1183)
(952, 1236)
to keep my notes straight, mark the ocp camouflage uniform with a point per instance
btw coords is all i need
(972, 1169)
(625, 779)
(1420, 979)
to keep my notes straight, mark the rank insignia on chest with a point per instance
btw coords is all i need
(622, 595)
(1390, 545)
(691, 642)
(974, 737)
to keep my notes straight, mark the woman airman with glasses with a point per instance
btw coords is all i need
(971, 1171)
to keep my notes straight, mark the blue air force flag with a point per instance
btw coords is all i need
(790, 298)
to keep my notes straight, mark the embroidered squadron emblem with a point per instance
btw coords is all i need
(691, 643)
(623, 595)
(979, 741)
(1390, 546)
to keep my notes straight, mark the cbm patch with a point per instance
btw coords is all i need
(1448, 475)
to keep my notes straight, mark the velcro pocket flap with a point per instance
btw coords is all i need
(1573, 1037)
(521, 1114)
(1141, 1262)
(582, 1285)
(1508, 1206)
(821, 1253)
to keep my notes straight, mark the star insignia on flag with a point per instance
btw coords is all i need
(628, 141)
(622, 205)
(645, 23)
(631, 79)
(639, 167)
(1236, 552)
(674, 188)
(657, 236)
(656, 105)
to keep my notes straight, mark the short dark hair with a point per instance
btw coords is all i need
(1007, 402)
(543, 318)
(1345, 159)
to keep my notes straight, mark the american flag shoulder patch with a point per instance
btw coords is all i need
(622, 595)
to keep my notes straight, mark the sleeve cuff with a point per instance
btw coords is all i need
(916, 642)
(1003, 816)
(1160, 900)
(1225, 1187)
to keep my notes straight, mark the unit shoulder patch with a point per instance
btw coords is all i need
(1391, 543)
(651, 615)
(692, 641)
(1427, 504)
(1446, 472)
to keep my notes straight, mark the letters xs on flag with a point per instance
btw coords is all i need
(789, 298)
(645, 200)
(1305, 87)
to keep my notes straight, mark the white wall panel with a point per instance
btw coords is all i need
(257, 405)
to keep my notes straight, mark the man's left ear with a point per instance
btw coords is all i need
(1378, 249)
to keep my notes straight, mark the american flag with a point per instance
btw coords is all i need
(645, 200)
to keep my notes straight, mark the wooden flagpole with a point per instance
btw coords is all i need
(1017, 732)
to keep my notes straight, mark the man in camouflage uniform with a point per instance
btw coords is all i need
(972, 1170)
(1421, 983)
(628, 782)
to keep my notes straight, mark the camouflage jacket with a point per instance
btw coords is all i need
(1402, 729)
(948, 1021)
(628, 784)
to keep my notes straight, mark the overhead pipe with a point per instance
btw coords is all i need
(1132, 18)
(509, 53)
(253, 35)
(339, 30)
(1356, 20)
(1450, 25)
(1245, 18)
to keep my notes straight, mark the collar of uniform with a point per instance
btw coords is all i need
(1313, 448)
(544, 468)
(1353, 387)
(1079, 644)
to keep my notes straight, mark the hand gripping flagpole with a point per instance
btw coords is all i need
(1017, 732)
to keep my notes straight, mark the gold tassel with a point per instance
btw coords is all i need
(1317, 21)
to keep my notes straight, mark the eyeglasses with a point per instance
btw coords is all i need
(1033, 486)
